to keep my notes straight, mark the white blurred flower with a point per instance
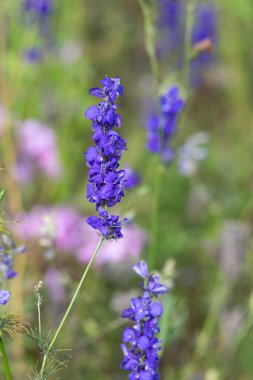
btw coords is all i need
(192, 152)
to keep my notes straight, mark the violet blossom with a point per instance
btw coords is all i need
(36, 14)
(160, 130)
(106, 182)
(8, 249)
(4, 296)
(140, 344)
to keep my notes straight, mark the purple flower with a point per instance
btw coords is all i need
(106, 182)
(140, 345)
(4, 296)
(205, 29)
(132, 178)
(7, 250)
(171, 24)
(161, 129)
(40, 8)
(108, 225)
(36, 15)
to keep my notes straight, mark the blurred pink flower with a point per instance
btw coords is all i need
(53, 281)
(31, 224)
(68, 233)
(37, 150)
(62, 225)
(123, 250)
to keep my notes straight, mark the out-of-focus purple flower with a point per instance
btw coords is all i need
(153, 138)
(4, 296)
(36, 14)
(53, 281)
(171, 15)
(132, 178)
(33, 55)
(37, 151)
(161, 129)
(205, 29)
(39, 8)
(171, 25)
(7, 250)
(192, 152)
(140, 345)
(106, 183)
(121, 251)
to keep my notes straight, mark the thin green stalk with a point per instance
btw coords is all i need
(148, 8)
(5, 360)
(187, 43)
(39, 316)
(70, 305)
(155, 218)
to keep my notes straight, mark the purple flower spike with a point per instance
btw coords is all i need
(140, 345)
(106, 182)
(4, 296)
(161, 130)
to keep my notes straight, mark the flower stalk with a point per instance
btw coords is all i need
(70, 306)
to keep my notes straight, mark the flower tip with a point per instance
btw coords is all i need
(141, 269)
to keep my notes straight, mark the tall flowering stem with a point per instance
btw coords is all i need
(160, 131)
(140, 345)
(106, 182)
(5, 360)
(50, 347)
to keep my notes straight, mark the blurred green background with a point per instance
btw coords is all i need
(204, 221)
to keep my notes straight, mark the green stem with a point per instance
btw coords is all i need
(5, 360)
(149, 15)
(155, 218)
(187, 43)
(70, 305)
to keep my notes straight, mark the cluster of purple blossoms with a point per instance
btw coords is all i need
(7, 250)
(37, 14)
(38, 8)
(171, 25)
(140, 344)
(161, 129)
(106, 182)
